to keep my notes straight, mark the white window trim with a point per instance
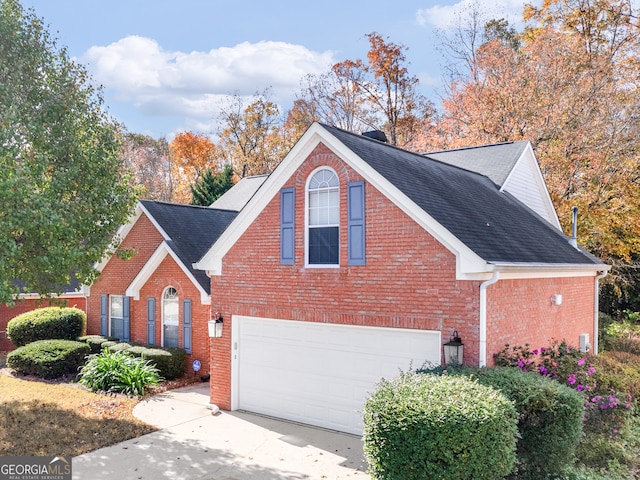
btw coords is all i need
(162, 315)
(306, 220)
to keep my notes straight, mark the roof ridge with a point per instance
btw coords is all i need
(419, 156)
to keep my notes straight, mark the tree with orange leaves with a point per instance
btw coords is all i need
(566, 83)
(191, 155)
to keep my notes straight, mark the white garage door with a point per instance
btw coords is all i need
(319, 373)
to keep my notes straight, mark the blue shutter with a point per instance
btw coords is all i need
(186, 325)
(151, 321)
(125, 319)
(104, 309)
(287, 226)
(356, 225)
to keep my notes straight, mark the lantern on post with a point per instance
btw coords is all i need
(215, 326)
(453, 350)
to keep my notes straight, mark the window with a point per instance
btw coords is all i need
(323, 218)
(170, 318)
(116, 316)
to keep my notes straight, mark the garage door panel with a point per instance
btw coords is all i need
(320, 373)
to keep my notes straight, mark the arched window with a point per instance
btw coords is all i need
(323, 218)
(170, 318)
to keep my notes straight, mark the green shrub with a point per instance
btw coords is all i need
(118, 372)
(550, 419)
(109, 343)
(421, 426)
(95, 341)
(46, 324)
(49, 358)
(118, 347)
(169, 361)
(137, 350)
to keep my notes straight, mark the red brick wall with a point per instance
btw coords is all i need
(26, 305)
(118, 275)
(408, 281)
(521, 311)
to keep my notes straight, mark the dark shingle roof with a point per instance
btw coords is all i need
(192, 230)
(493, 224)
(495, 161)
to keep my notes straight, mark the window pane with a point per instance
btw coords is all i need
(170, 307)
(170, 335)
(323, 246)
(116, 306)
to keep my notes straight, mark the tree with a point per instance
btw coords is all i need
(377, 94)
(336, 98)
(191, 154)
(148, 161)
(64, 190)
(250, 139)
(570, 92)
(210, 187)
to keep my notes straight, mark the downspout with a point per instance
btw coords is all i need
(596, 304)
(482, 347)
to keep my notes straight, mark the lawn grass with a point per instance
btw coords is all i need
(39, 418)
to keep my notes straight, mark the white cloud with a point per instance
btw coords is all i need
(138, 71)
(445, 17)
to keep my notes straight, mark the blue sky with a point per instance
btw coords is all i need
(166, 66)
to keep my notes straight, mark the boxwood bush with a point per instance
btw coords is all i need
(421, 426)
(95, 341)
(118, 347)
(49, 358)
(46, 324)
(550, 419)
(169, 361)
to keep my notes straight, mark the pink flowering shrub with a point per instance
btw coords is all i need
(605, 409)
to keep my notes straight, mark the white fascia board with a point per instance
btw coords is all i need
(133, 290)
(529, 157)
(515, 271)
(467, 261)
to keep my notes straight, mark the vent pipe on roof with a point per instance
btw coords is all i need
(376, 135)
(574, 228)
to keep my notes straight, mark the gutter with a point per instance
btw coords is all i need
(596, 308)
(482, 347)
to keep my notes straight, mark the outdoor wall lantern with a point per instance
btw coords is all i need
(453, 350)
(215, 326)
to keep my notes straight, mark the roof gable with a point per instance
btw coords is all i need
(512, 166)
(467, 212)
(188, 231)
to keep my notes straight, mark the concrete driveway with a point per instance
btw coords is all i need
(193, 444)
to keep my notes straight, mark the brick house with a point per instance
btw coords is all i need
(156, 296)
(71, 296)
(356, 259)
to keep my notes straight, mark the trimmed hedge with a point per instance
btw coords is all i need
(49, 358)
(118, 347)
(550, 419)
(46, 324)
(96, 341)
(169, 361)
(421, 426)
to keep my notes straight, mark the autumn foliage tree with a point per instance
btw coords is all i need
(250, 139)
(191, 154)
(567, 83)
(378, 93)
(148, 160)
